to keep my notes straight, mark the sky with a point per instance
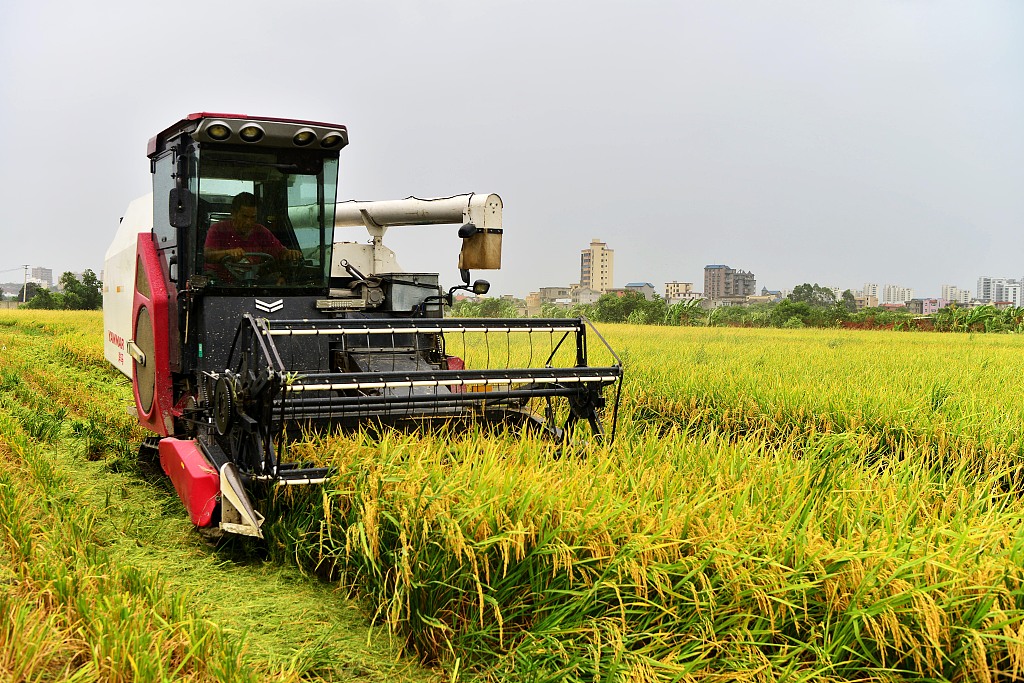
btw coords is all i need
(828, 142)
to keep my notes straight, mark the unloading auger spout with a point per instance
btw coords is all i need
(244, 322)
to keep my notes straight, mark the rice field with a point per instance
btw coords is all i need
(798, 505)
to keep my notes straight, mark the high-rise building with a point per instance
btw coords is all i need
(952, 293)
(985, 285)
(597, 265)
(896, 294)
(42, 276)
(999, 289)
(871, 289)
(1011, 293)
(723, 282)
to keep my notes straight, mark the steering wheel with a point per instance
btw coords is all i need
(248, 267)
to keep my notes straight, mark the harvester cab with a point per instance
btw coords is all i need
(242, 321)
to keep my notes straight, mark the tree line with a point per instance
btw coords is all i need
(808, 305)
(75, 295)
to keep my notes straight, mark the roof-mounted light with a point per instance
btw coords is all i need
(304, 136)
(332, 139)
(218, 130)
(250, 132)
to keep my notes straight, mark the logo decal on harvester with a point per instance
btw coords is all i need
(269, 306)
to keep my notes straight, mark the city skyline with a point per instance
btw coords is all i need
(37, 274)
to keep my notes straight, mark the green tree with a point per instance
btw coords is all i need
(485, 308)
(849, 302)
(549, 309)
(81, 295)
(28, 291)
(787, 309)
(630, 307)
(45, 299)
(685, 313)
(728, 316)
(613, 308)
(815, 295)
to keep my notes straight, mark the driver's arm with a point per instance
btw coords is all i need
(269, 243)
(216, 246)
(216, 255)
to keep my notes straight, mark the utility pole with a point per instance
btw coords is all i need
(24, 287)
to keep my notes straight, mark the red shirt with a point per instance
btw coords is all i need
(223, 235)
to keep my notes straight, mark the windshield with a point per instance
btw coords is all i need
(266, 218)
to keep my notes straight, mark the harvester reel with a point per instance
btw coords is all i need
(224, 400)
(585, 406)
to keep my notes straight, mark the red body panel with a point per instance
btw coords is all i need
(455, 363)
(159, 419)
(245, 117)
(195, 479)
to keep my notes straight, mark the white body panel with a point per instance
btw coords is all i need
(368, 259)
(483, 210)
(119, 283)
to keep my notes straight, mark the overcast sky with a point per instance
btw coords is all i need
(830, 142)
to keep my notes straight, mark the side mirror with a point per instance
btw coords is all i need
(481, 287)
(179, 207)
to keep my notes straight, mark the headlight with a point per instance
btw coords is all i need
(332, 139)
(218, 130)
(251, 133)
(304, 137)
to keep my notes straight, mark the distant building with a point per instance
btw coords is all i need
(926, 306)
(43, 276)
(954, 294)
(896, 294)
(533, 304)
(862, 301)
(999, 290)
(552, 294)
(585, 295)
(597, 267)
(680, 291)
(645, 288)
(872, 289)
(723, 282)
(677, 290)
(992, 289)
(517, 302)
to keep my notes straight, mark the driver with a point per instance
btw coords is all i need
(241, 237)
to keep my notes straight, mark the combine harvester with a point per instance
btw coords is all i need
(234, 351)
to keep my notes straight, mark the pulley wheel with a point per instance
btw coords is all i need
(145, 375)
(223, 405)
